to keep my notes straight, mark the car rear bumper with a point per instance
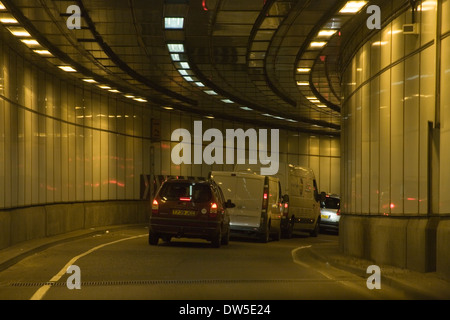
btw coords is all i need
(187, 229)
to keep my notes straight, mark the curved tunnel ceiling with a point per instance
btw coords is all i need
(251, 60)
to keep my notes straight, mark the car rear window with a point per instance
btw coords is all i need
(331, 203)
(186, 191)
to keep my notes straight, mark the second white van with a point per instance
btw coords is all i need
(301, 200)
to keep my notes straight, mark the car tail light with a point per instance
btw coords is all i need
(155, 206)
(185, 199)
(213, 210)
(338, 212)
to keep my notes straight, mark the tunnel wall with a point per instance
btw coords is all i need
(396, 112)
(73, 155)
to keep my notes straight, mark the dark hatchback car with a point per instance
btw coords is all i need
(190, 209)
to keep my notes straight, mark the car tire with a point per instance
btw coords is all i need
(153, 239)
(277, 235)
(217, 239)
(265, 236)
(226, 239)
(315, 232)
(289, 230)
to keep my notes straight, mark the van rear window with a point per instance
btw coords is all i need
(188, 191)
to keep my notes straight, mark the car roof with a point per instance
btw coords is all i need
(188, 181)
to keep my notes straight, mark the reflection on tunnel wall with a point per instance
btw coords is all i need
(390, 99)
(62, 141)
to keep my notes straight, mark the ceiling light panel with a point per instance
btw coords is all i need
(176, 23)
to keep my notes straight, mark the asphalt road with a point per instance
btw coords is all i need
(122, 265)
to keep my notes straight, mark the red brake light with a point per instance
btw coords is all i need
(185, 199)
(213, 210)
(155, 206)
(265, 196)
(338, 212)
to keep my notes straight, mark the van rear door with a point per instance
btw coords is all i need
(246, 192)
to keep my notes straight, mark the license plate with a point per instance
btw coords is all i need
(184, 213)
(325, 216)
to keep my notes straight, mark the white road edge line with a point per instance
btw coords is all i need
(40, 293)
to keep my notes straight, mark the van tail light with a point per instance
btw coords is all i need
(155, 206)
(265, 202)
(213, 210)
(285, 209)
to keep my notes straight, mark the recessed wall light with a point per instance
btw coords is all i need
(8, 20)
(353, 6)
(67, 68)
(30, 42)
(89, 80)
(326, 33)
(43, 52)
(19, 32)
(318, 44)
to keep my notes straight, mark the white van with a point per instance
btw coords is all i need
(258, 203)
(301, 200)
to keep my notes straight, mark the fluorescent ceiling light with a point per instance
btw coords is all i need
(246, 108)
(321, 106)
(140, 100)
(311, 98)
(326, 33)
(104, 87)
(185, 65)
(183, 72)
(30, 42)
(7, 20)
(175, 57)
(174, 23)
(303, 70)
(2, 6)
(129, 96)
(209, 117)
(227, 101)
(43, 52)
(168, 108)
(211, 92)
(199, 84)
(315, 100)
(175, 47)
(189, 79)
(291, 120)
(267, 115)
(353, 6)
(114, 91)
(318, 44)
(19, 32)
(89, 80)
(302, 83)
(67, 68)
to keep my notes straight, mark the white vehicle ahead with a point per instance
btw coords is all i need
(301, 200)
(257, 202)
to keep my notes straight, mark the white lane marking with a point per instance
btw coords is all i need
(348, 283)
(39, 294)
